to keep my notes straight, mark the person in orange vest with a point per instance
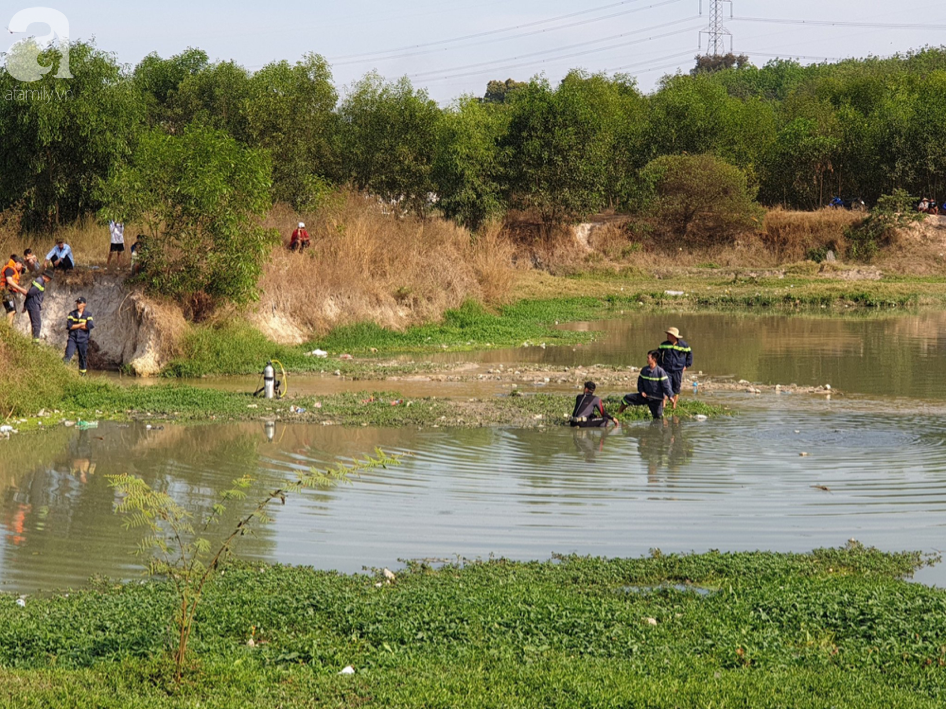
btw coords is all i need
(10, 278)
(300, 239)
(79, 323)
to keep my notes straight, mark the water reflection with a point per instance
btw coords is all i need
(680, 485)
(878, 354)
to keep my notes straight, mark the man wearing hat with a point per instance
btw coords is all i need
(675, 357)
(79, 323)
(34, 302)
(300, 239)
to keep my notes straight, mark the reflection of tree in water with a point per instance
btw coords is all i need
(61, 510)
(662, 445)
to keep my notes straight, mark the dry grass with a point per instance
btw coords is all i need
(365, 265)
(790, 235)
(89, 239)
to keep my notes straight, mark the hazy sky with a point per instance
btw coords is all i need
(453, 47)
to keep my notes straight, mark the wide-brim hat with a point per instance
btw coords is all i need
(673, 331)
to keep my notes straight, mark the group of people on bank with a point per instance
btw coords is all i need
(79, 322)
(658, 384)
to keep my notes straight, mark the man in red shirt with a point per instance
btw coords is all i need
(300, 239)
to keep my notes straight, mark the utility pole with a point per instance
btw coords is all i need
(716, 31)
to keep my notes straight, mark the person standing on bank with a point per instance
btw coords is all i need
(675, 358)
(589, 410)
(79, 324)
(60, 256)
(653, 387)
(34, 302)
(10, 286)
(117, 231)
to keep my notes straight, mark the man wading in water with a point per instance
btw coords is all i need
(589, 411)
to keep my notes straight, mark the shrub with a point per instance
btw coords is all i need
(698, 198)
(893, 211)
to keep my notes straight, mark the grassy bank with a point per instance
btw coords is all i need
(541, 301)
(94, 401)
(38, 381)
(832, 628)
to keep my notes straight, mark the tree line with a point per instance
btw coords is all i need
(797, 135)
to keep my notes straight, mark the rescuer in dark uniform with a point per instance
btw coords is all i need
(675, 358)
(79, 323)
(653, 386)
(589, 411)
(34, 302)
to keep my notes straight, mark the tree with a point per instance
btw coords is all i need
(699, 198)
(61, 137)
(290, 109)
(711, 63)
(201, 195)
(556, 153)
(158, 80)
(180, 552)
(500, 91)
(468, 166)
(389, 135)
(215, 96)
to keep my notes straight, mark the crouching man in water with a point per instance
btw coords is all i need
(653, 386)
(589, 410)
(79, 323)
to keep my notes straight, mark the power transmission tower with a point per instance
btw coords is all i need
(716, 31)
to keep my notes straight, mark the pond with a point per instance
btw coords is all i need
(735, 483)
(876, 354)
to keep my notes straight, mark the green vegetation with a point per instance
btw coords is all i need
(862, 128)
(698, 199)
(201, 194)
(178, 550)
(892, 212)
(836, 627)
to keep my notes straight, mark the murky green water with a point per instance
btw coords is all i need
(895, 355)
(729, 484)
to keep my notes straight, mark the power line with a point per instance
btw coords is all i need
(843, 23)
(486, 33)
(793, 56)
(557, 58)
(570, 25)
(557, 49)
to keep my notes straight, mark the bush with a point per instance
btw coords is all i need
(893, 211)
(698, 198)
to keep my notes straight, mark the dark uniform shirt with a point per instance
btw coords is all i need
(675, 357)
(36, 293)
(654, 382)
(588, 406)
(74, 318)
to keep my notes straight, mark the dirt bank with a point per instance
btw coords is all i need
(131, 330)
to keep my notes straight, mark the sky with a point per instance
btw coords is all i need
(454, 47)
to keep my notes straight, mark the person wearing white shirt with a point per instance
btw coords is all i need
(60, 256)
(117, 230)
